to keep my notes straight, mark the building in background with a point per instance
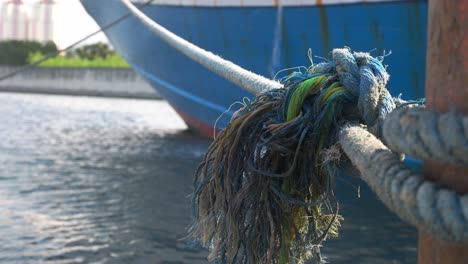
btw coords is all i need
(26, 20)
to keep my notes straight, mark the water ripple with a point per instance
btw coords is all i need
(95, 180)
(86, 180)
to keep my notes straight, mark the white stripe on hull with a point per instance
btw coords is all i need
(264, 3)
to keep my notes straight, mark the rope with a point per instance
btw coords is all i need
(53, 54)
(427, 135)
(439, 211)
(260, 188)
(270, 173)
(243, 78)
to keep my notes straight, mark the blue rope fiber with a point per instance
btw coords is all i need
(233, 198)
(279, 162)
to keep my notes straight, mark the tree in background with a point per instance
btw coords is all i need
(94, 51)
(16, 52)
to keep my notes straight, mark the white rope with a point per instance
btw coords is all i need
(413, 198)
(420, 202)
(226, 69)
(426, 135)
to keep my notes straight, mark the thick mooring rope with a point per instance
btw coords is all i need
(224, 68)
(427, 135)
(264, 191)
(440, 211)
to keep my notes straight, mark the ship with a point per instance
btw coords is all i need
(268, 37)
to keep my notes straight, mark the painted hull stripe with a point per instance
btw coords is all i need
(194, 98)
(195, 124)
(259, 3)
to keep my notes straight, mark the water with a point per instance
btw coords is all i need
(96, 180)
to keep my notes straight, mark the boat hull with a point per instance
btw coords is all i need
(262, 39)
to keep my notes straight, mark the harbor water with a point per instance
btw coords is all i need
(99, 180)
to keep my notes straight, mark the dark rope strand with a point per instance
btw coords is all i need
(264, 190)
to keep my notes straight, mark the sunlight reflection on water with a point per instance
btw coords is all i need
(96, 180)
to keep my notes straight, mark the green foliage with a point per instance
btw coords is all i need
(111, 61)
(15, 52)
(94, 51)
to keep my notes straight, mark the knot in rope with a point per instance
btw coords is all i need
(366, 78)
(264, 190)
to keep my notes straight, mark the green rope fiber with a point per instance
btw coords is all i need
(259, 205)
(264, 190)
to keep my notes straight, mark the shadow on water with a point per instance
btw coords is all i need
(370, 233)
(95, 180)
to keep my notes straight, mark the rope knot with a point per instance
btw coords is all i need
(264, 191)
(366, 78)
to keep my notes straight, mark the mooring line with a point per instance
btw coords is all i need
(246, 79)
(55, 53)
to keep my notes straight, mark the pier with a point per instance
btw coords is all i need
(109, 82)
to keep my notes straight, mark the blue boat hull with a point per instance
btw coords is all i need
(263, 40)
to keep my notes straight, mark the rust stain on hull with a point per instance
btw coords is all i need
(324, 29)
(416, 42)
